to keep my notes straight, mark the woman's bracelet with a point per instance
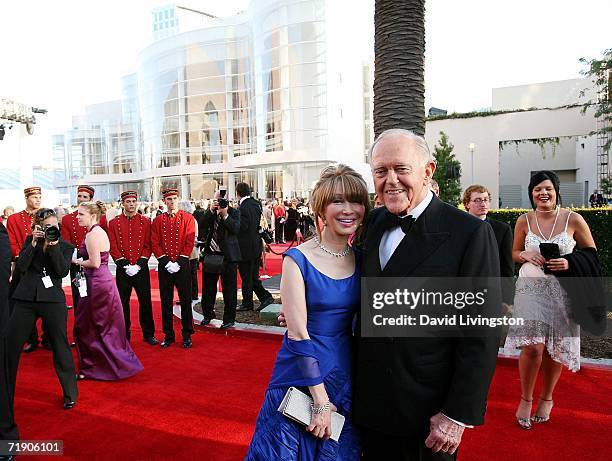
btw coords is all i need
(321, 409)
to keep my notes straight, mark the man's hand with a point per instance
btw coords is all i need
(445, 435)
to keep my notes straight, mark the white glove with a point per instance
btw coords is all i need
(132, 269)
(173, 268)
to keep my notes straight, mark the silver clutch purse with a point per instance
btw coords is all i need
(296, 406)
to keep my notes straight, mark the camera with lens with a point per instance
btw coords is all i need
(223, 202)
(52, 233)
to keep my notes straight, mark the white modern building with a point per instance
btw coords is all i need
(269, 96)
(530, 128)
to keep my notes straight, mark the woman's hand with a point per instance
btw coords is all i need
(320, 423)
(557, 264)
(37, 233)
(533, 257)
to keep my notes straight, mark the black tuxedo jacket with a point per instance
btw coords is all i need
(401, 382)
(248, 238)
(5, 275)
(231, 227)
(55, 260)
(503, 236)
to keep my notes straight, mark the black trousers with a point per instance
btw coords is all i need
(249, 274)
(32, 338)
(279, 230)
(142, 284)
(193, 266)
(229, 282)
(182, 281)
(55, 316)
(378, 446)
(8, 428)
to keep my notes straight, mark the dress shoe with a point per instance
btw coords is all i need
(80, 377)
(205, 322)
(187, 343)
(152, 341)
(30, 347)
(69, 308)
(72, 344)
(227, 325)
(166, 342)
(243, 308)
(266, 302)
(69, 404)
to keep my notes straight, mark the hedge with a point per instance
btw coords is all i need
(598, 219)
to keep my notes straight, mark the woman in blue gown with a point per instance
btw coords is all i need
(320, 292)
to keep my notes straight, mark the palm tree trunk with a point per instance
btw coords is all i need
(399, 46)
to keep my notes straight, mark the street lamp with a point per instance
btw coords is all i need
(472, 146)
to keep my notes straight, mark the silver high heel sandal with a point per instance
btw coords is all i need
(542, 419)
(524, 423)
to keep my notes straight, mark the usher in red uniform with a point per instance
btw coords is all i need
(18, 226)
(130, 244)
(172, 240)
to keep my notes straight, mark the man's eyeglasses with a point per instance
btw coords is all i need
(480, 201)
(44, 214)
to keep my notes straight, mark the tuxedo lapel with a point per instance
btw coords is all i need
(374, 232)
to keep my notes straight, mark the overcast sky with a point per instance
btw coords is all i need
(65, 54)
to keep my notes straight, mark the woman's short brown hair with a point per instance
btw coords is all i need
(352, 184)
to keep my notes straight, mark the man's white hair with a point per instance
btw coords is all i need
(420, 143)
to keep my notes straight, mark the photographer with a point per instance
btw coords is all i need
(43, 262)
(219, 228)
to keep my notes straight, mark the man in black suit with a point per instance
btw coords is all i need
(477, 202)
(219, 228)
(8, 429)
(250, 249)
(415, 396)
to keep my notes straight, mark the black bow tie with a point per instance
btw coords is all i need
(392, 220)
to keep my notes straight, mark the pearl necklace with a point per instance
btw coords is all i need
(340, 254)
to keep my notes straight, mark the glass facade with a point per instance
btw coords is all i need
(245, 99)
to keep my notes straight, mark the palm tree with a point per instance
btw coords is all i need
(399, 47)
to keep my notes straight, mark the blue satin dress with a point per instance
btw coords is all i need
(326, 357)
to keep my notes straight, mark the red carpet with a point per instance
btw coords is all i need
(202, 404)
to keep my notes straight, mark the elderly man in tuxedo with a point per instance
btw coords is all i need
(415, 396)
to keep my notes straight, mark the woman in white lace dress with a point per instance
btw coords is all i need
(549, 337)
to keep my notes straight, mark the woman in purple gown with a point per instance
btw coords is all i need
(99, 328)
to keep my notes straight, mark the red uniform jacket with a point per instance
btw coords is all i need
(18, 226)
(173, 236)
(130, 239)
(75, 234)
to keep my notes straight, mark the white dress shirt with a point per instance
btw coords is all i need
(392, 237)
